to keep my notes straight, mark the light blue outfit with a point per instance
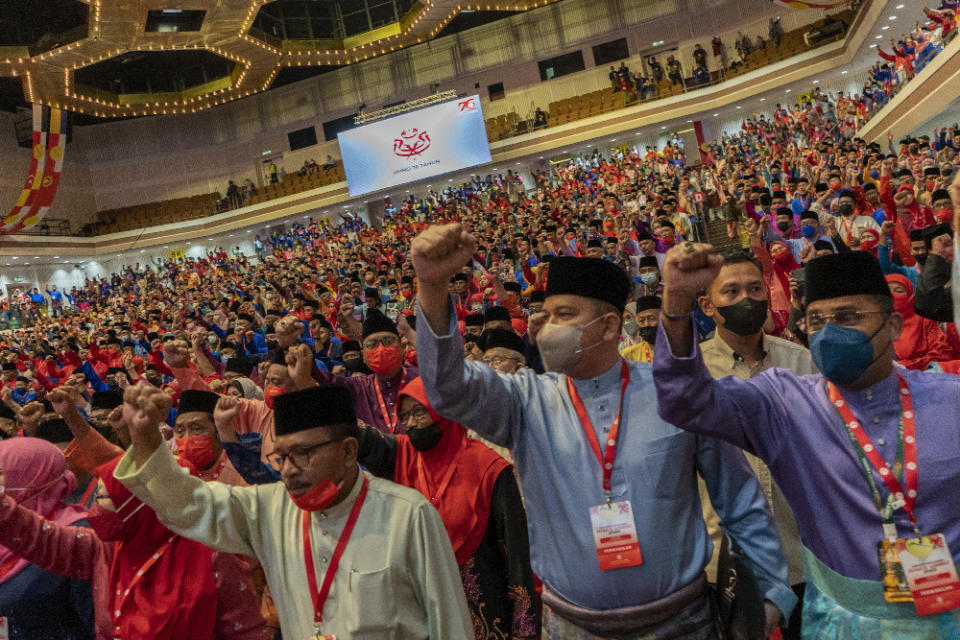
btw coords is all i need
(911, 273)
(655, 469)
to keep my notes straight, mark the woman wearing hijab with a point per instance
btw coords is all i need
(38, 604)
(147, 581)
(476, 493)
(921, 341)
(244, 388)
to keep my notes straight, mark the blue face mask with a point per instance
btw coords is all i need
(648, 278)
(842, 354)
(808, 231)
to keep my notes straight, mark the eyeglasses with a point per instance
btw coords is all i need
(497, 361)
(417, 413)
(373, 343)
(842, 318)
(298, 456)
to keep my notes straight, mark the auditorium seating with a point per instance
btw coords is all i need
(606, 100)
(194, 207)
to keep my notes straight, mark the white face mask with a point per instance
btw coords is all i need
(559, 345)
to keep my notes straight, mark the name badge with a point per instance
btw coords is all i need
(615, 535)
(4, 629)
(931, 574)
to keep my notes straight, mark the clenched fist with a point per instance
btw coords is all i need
(440, 252)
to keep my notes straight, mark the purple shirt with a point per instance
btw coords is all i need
(789, 422)
(365, 395)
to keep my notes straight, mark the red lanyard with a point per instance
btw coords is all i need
(118, 607)
(908, 498)
(320, 598)
(609, 454)
(88, 492)
(391, 422)
(847, 227)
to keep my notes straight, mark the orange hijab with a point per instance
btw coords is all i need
(457, 476)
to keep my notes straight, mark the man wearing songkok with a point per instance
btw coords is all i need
(594, 461)
(197, 439)
(376, 393)
(864, 452)
(502, 350)
(345, 555)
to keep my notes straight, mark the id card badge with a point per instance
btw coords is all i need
(4, 629)
(895, 587)
(615, 534)
(931, 574)
(322, 637)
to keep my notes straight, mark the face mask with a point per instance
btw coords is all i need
(869, 245)
(353, 365)
(476, 309)
(212, 340)
(931, 186)
(745, 318)
(108, 525)
(902, 302)
(410, 356)
(842, 354)
(384, 359)
(648, 334)
(320, 497)
(944, 215)
(648, 278)
(630, 327)
(808, 231)
(921, 259)
(846, 209)
(407, 294)
(198, 450)
(784, 226)
(559, 345)
(270, 392)
(425, 438)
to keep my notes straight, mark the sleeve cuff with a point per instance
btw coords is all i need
(452, 327)
(663, 343)
(783, 597)
(161, 462)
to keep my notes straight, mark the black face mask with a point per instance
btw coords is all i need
(425, 438)
(785, 226)
(353, 365)
(846, 209)
(921, 259)
(744, 318)
(648, 334)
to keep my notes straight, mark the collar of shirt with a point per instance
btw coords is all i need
(732, 357)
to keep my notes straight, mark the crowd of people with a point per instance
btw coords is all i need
(447, 426)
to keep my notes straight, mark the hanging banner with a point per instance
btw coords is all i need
(32, 184)
(46, 165)
(176, 254)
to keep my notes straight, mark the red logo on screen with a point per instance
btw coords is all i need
(411, 143)
(470, 104)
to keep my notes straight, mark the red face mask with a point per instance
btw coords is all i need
(198, 450)
(410, 355)
(869, 245)
(902, 302)
(407, 294)
(270, 392)
(931, 186)
(383, 359)
(320, 497)
(783, 257)
(944, 215)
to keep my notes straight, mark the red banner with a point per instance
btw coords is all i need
(46, 164)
